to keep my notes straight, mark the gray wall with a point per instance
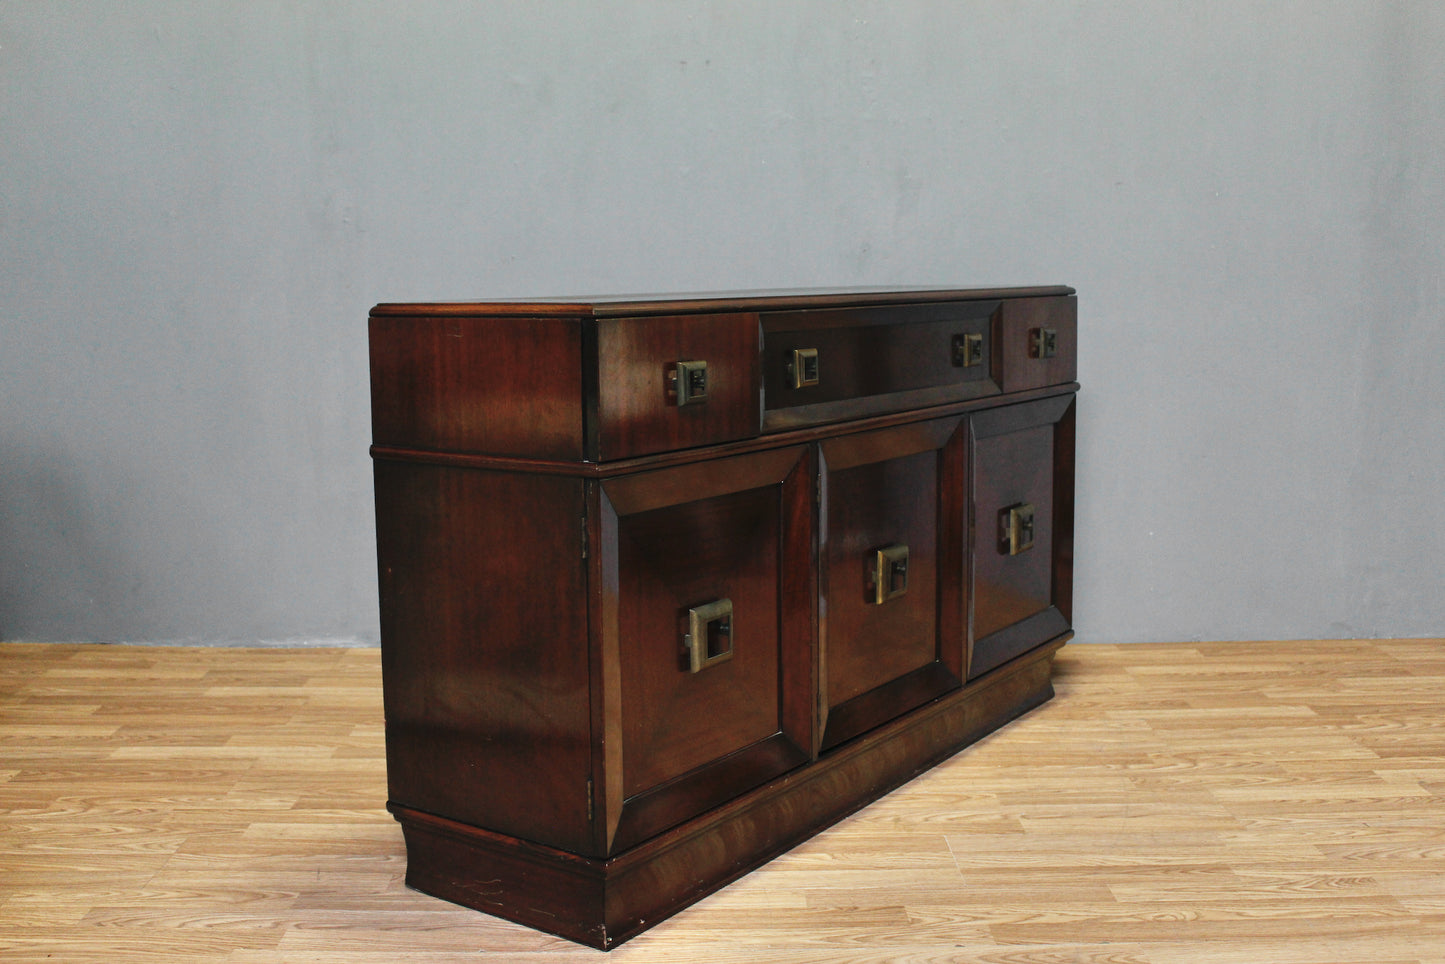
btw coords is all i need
(200, 201)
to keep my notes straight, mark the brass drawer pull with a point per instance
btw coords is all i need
(967, 350)
(709, 637)
(1043, 342)
(1016, 529)
(687, 383)
(803, 367)
(888, 574)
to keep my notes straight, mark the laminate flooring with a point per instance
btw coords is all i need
(1200, 803)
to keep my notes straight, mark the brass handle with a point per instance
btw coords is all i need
(967, 350)
(709, 636)
(887, 574)
(1016, 529)
(1043, 342)
(803, 367)
(687, 383)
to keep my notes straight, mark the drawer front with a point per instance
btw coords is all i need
(710, 628)
(1021, 563)
(891, 561)
(674, 382)
(1036, 343)
(829, 365)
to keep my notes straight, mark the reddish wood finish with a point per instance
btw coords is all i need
(739, 529)
(483, 628)
(873, 359)
(636, 416)
(1016, 368)
(546, 517)
(488, 384)
(1015, 597)
(603, 902)
(892, 487)
(618, 306)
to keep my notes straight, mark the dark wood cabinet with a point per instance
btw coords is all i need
(668, 586)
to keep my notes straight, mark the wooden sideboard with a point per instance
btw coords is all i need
(668, 586)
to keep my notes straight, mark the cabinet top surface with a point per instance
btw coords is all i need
(779, 300)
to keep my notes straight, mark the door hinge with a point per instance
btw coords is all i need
(589, 801)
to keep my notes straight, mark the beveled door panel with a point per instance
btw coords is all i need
(891, 562)
(1022, 538)
(672, 560)
(711, 620)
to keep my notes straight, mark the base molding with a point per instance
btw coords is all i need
(603, 902)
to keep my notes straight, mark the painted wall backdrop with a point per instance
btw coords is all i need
(199, 202)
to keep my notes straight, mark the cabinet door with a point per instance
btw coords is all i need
(707, 635)
(1022, 539)
(891, 563)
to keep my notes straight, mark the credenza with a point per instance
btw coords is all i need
(669, 585)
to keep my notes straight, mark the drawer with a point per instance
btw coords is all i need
(673, 382)
(832, 364)
(1036, 343)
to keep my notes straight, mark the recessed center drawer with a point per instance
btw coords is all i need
(832, 364)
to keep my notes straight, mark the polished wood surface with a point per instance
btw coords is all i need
(722, 730)
(621, 467)
(900, 486)
(486, 690)
(1020, 454)
(606, 902)
(635, 413)
(874, 359)
(673, 742)
(1016, 367)
(613, 306)
(667, 512)
(1224, 803)
(484, 383)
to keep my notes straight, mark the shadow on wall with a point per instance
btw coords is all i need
(65, 573)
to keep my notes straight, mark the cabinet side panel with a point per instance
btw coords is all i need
(494, 385)
(484, 648)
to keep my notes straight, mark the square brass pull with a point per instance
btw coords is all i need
(1043, 342)
(803, 368)
(1016, 529)
(709, 637)
(967, 350)
(687, 383)
(888, 574)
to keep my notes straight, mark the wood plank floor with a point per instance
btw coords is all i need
(1175, 804)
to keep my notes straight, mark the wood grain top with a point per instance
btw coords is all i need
(775, 300)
